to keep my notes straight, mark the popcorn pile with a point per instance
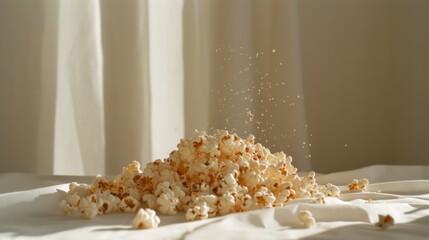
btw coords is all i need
(208, 175)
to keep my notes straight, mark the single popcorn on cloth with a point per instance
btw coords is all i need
(146, 218)
(359, 185)
(385, 221)
(330, 190)
(206, 176)
(306, 218)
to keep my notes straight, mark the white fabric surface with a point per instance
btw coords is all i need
(29, 210)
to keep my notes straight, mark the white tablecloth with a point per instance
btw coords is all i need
(29, 210)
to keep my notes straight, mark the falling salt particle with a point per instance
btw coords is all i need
(294, 130)
(299, 96)
(281, 64)
(257, 54)
(303, 143)
(345, 145)
(274, 50)
(309, 144)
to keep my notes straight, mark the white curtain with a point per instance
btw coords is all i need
(86, 86)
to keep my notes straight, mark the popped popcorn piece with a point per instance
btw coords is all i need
(330, 190)
(129, 204)
(146, 218)
(264, 197)
(198, 212)
(150, 200)
(385, 221)
(70, 205)
(319, 198)
(89, 206)
(306, 218)
(167, 202)
(359, 185)
(226, 204)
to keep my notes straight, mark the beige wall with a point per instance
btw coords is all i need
(360, 67)
(366, 73)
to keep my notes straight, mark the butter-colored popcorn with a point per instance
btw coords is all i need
(70, 205)
(128, 173)
(89, 206)
(306, 218)
(207, 175)
(198, 212)
(129, 204)
(319, 198)
(264, 197)
(146, 218)
(79, 189)
(359, 185)
(212, 203)
(302, 193)
(330, 190)
(150, 200)
(110, 203)
(226, 204)
(167, 202)
(385, 221)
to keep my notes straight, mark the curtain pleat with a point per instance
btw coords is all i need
(86, 86)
